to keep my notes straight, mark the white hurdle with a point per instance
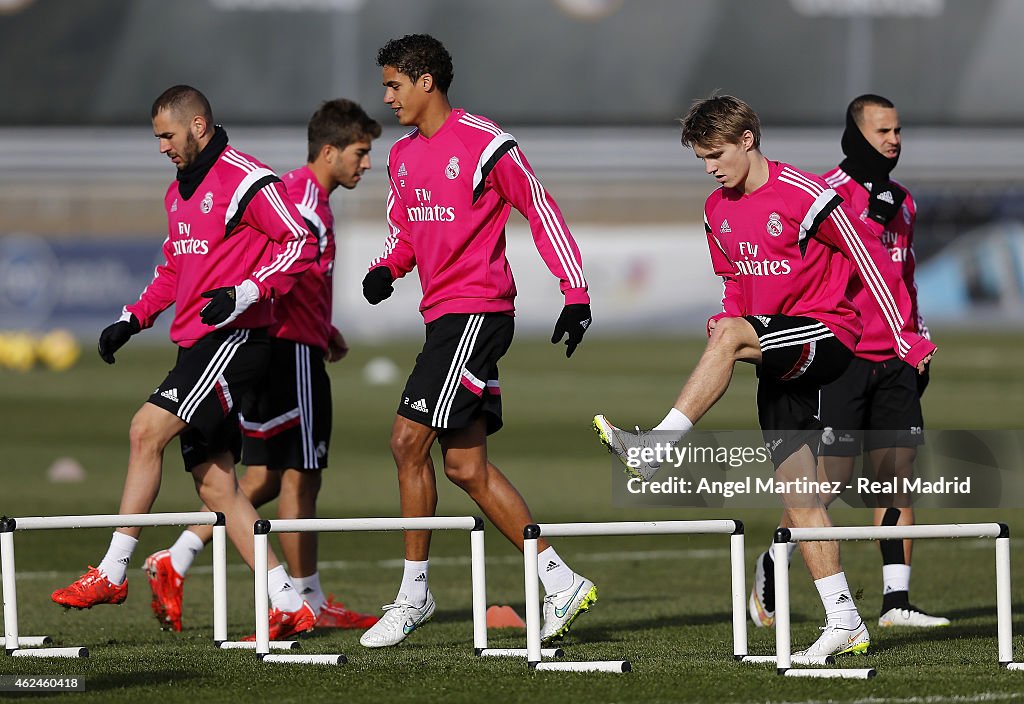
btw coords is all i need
(999, 531)
(532, 532)
(261, 534)
(8, 526)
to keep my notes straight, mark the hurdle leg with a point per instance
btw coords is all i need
(533, 655)
(10, 591)
(260, 544)
(479, 578)
(220, 586)
(1004, 624)
(783, 645)
(739, 596)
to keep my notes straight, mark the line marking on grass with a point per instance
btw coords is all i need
(453, 561)
(931, 699)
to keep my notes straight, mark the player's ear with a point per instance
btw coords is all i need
(426, 82)
(747, 140)
(198, 126)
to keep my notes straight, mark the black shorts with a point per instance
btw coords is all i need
(798, 356)
(205, 386)
(455, 379)
(873, 405)
(286, 419)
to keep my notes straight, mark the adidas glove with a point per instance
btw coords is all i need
(377, 285)
(574, 321)
(228, 303)
(885, 201)
(114, 336)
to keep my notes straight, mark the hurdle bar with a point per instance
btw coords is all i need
(261, 535)
(533, 532)
(8, 526)
(999, 531)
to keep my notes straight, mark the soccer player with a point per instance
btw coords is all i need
(286, 421)
(784, 247)
(876, 404)
(453, 181)
(234, 241)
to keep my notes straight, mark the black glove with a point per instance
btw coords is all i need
(574, 321)
(923, 378)
(377, 285)
(114, 336)
(228, 302)
(885, 201)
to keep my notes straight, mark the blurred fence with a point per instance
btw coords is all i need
(81, 224)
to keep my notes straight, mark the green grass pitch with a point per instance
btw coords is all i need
(664, 600)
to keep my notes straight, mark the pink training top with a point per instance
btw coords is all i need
(450, 197)
(239, 224)
(304, 314)
(787, 248)
(897, 236)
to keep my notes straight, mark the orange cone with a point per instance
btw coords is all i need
(503, 617)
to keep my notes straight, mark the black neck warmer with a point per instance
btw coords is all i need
(863, 162)
(192, 175)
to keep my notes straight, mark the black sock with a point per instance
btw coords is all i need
(895, 600)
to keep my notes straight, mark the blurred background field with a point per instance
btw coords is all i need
(664, 600)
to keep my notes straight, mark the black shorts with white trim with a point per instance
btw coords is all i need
(455, 379)
(205, 386)
(286, 419)
(798, 356)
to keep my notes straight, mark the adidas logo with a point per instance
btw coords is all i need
(843, 599)
(725, 227)
(585, 323)
(307, 590)
(401, 170)
(421, 406)
(123, 560)
(421, 577)
(174, 206)
(552, 565)
(170, 394)
(886, 196)
(287, 586)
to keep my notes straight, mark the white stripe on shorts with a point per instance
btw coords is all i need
(443, 409)
(304, 397)
(214, 371)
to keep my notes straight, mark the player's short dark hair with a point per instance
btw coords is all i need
(183, 99)
(719, 119)
(339, 122)
(416, 55)
(856, 107)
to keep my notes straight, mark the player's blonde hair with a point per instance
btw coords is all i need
(719, 119)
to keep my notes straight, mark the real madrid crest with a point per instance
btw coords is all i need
(774, 225)
(207, 204)
(452, 170)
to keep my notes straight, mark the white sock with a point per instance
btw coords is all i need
(414, 581)
(895, 578)
(283, 594)
(115, 562)
(838, 602)
(184, 551)
(309, 589)
(675, 425)
(554, 574)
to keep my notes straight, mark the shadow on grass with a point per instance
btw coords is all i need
(133, 680)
